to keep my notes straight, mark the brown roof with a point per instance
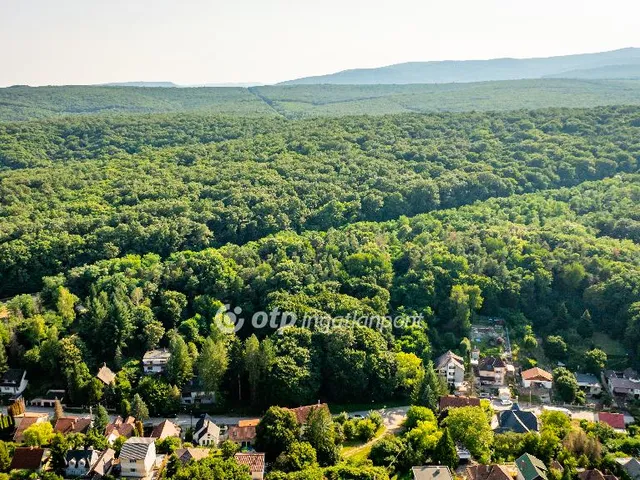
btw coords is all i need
(302, 413)
(104, 463)
(487, 472)
(537, 373)
(124, 428)
(25, 423)
(190, 453)
(106, 375)
(255, 461)
(66, 425)
(27, 458)
(165, 429)
(595, 474)
(253, 422)
(452, 401)
(242, 434)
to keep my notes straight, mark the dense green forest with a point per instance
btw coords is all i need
(294, 101)
(77, 191)
(540, 259)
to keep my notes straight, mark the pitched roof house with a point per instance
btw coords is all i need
(137, 457)
(537, 377)
(530, 468)
(302, 413)
(106, 375)
(450, 367)
(631, 466)
(79, 462)
(623, 384)
(14, 382)
(24, 421)
(120, 428)
(29, 458)
(155, 361)
(614, 420)
(67, 425)
(431, 472)
(190, 453)
(589, 383)
(206, 432)
(255, 462)
(103, 465)
(165, 429)
(453, 401)
(492, 371)
(243, 436)
(595, 474)
(488, 472)
(516, 420)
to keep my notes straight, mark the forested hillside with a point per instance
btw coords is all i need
(540, 259)
(295, 101)
(80, 191)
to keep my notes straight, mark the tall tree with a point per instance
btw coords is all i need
(445, 452)
(212, 364)
(180, 365)
(139, 409)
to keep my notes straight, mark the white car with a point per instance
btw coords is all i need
(506, 402)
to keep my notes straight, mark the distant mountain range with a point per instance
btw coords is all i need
(175, 85)
(616, 64)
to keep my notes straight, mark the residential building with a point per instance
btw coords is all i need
(589, 384)
(206, 433)
(79, 462)
(165, 429)
(103, 465)
(255, 462)
(595, 474)
(120, 428)
(29, 458)
(106, 375)
(49, 399)
(614, 420)
(475, 356)
(67, 425)
(14, 382)
(516, 420)
(452, 401)
(537, 378)
(302, 413)
(155, 361)
(450, 367)
(623, 384)
(194, 393)
(530, 468)
(191, 453)
(137, 457)
(488, 472)
(431, 472)
(631, 466)
(243, 436)
(24, 421)
(492, 371)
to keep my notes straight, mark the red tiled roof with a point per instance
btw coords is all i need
(165, 429)
(66, 425)
(536, 373)
(452, 401)
(255, 461)
(253, 422)
(27, 458)
(487, 472)
(302, 413)
(242, 434)
(25, 423)
(614, 420)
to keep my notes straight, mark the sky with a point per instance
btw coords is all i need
(56, 42)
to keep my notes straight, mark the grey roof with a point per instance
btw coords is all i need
(518, 421)
(136, 448)
(435, 472)
(12, 377)
(443, 359)
(161, 354)
(631, 466)
(88, 455)
(587, 379)
(491, 363)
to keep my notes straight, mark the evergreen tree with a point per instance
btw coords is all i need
(180, 366)
(139, 409)
(445, 452)
(57, 410)
(101, 419)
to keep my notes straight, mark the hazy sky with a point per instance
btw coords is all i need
(44, 42)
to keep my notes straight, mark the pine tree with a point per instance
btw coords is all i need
(180, 366)
(139, 409)
(57, 410)
(101, 419)
(445, 452)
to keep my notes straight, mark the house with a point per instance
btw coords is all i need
(431, 472)
(450, 367)
(504, 393)
(595, 474)
(614, 420)
(589, 384)
(492, 371)
(475, 356)
(29, 458)
(24, 421)
(623, 384)
(102, 467)
(120, 428)
(302, 413)
(488, 472)
(165, 429)
(155, 361)
(537, 377)
(206, 433)
(14, 382)
(453, 401)
(631, 466)
(105, 375)
(137, 457)
(516, 420)
(67, 425)
(79, 462)
(243, 436)
(255, 462)
(187, 454)
(194, 393)
(530, 468)
(49, 399)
